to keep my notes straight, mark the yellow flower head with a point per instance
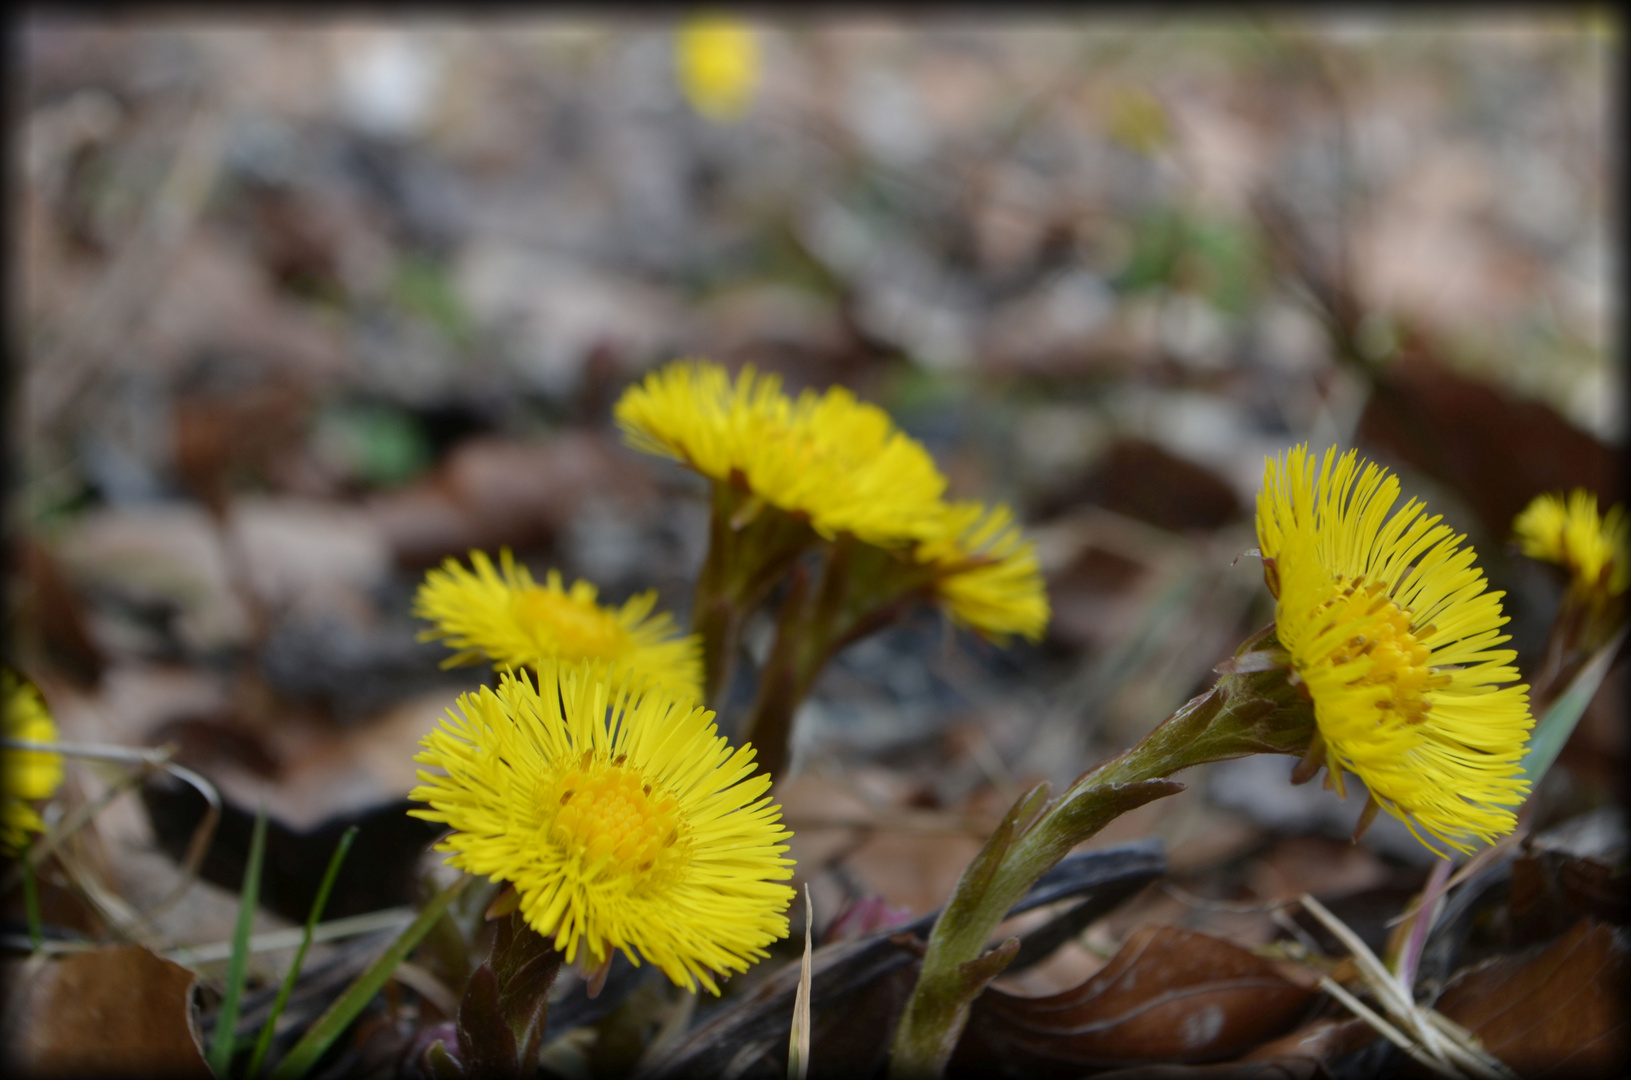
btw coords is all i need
(993, 584)
(718, 62)
(1570, 532)
(504, 616)
(27, 774)
(1391, 630)
(622, 822)
(835, 461)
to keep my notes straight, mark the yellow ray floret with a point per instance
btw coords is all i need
(503, 616)
(992, 582)
(623, 823)
(25, 775)
(1391, 629)
(718, 65)
(836, 461)
(1570, 532)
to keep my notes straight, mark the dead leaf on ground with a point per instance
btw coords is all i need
(1496, 450)
(1142, 480)
(1552, 889)
(859, 987)
(1553, 1013)
(1319, 1040)
(492, 492)
(220, 433)
(916, 871)
(1324, 867)
(53, 613)
(1169, 995)
(1301, 1055)
(114, 1011)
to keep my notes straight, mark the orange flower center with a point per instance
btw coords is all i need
(612, 817)
(1397, 658)
(569, 627)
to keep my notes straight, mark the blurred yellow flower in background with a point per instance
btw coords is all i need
(1137, 120)
(622, 822)
(837, 462)
(503, 616)
(1391, 630)
(1570, 532)
(717, 58)
(991, 582)
(27, 775)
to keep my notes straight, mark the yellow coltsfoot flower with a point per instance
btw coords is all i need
(503, 616)
(1570, 532)
(718, 65)
(988, 577)
(623, 823)
(1391, 631)
(26, 775)
(829, 459)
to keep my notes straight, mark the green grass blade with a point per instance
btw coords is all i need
(322, 1034)
(1554, 729)
(31, 903)
(263, 1043)
(220, 1057)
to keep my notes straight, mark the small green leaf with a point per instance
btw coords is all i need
(378, 444)
(424, 287)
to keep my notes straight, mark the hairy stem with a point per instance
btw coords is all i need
(1256, 712)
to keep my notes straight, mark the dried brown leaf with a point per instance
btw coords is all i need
(493, 492)
(1551, 889)
(53, 613)
(113, 1011)
(1496, 450)
(1319, 1040)
(1142, 480)
(1169, 995)
(1557, 1012)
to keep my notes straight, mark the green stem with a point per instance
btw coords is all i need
(769, 725)
(1243, 714)
(750, 548)
(713, 615)
(807, 630)
(718, 623)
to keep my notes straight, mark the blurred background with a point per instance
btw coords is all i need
(305, 307)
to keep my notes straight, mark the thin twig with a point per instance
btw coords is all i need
(273, 940)
(149, 759)
(1392, 1034)
(124, 920)
(1453, 1051)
